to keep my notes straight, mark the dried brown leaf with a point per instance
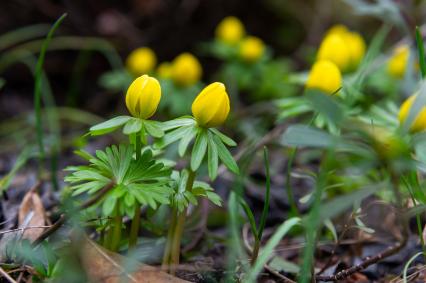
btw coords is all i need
(32, 204)
(107, 267)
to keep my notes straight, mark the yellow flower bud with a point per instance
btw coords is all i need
(334, 48)
(164, 70)
(419, 123)
(398, 62)
(324, 76)
(186, 70)
(143, 97)
(141, 61)
(230, 30)
(251, 49)
(337, 29)
(343, 47)
(356, 45)
(211, 107)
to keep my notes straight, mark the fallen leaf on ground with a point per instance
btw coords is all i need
(32, 214)
(104, 266)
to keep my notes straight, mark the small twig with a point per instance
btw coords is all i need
(24, 228)
(366, 262)
(7, 276)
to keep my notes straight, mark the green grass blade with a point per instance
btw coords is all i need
(268, 250)
(421, 51)
(37, 86)
(267, 194)
(23, 34)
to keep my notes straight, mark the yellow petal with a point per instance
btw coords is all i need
(324, 76)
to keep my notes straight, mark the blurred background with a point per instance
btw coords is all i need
(170, 27)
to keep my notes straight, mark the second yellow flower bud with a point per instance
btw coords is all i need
(325, 76)
(211, 107)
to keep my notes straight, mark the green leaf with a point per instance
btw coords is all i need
(326, 105)
(132, 126)
(225, 156)
(199, 149)
(109, 126)
(226, 140)
(171, 137)
(268, 250)
(301, 135)
(154, 128)
(179, 122)
(213, 158)
(109, 205)
(186, 139)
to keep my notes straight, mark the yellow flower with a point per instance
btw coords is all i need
(143, 97)
(398, 62)
(251, 49)
(419, 123)
(230, 30)
(334, 49)
(164, 70)
(337, 29)
(211, 107)
(324, 76)
(343, 47)
(186, 70)
(356, 46)
(141, 61)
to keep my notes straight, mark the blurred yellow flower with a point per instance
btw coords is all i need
(143, 97)
(324, 76)
(337, 29)
(251, 49)
(343, 47)
(164, 70)
(419, 123)
(397, 64)
(186, 70)
(211, 107)
(141, 61)
(230, 30)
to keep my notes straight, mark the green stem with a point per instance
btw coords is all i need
(134, 228)
(178, 229)
(255, 252)
(168, 247)
(116, 230)
(293, 205)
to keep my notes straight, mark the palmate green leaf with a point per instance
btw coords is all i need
(133, 125)
(199, 149)
(109, 126)
(144, 181)
(225, 155)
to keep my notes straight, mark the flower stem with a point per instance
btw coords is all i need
(134, 228)
(116, 232)
(168, 247)
(178, 228)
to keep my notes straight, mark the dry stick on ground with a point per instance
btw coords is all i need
(386, 253)
(7, 276)
(58, 224)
